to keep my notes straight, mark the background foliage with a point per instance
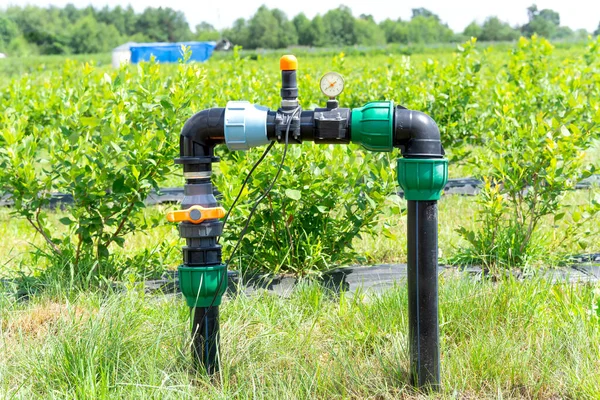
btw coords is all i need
(69, 30)
(326, 198)
(520, 118)
(543, 120)
(105, 139)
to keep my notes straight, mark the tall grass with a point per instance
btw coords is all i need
(498, 340)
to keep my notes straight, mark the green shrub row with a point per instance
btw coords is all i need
(521, 120)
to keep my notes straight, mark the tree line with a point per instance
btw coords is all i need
(72, 30)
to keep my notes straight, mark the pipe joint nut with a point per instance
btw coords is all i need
(372, 126)
(202, 286)
(422, 178)
(245, 125)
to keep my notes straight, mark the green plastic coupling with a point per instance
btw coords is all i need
(422, 178)
(200, 284)
(372, 126)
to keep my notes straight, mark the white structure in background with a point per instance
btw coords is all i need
(121, 54)
(2, 55)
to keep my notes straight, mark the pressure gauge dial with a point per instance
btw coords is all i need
(332, 84)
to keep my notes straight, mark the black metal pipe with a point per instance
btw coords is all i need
(205, 338)
(423, 331)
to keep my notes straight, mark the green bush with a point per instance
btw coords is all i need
(539, 126)
(452, 95)
(104, 138)
(325, 197)
(107, 137)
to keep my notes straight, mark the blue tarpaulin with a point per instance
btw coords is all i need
(170, 52)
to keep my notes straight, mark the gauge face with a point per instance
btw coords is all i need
(332, 84)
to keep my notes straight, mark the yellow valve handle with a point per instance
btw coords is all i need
(196, 214)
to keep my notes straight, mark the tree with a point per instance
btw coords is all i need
(541, 22)
(206, 32)
(317, 28)
(54, 30)
(395, 31)
(581, 34)
(429, 29)
(163, 25)
(563, 32)
(597, 31)
(124, 19)
(495, 30)
(90, 36)
(263, 29)
(423, 12)
(303, 29)
(340, 26)
(473, 30)
(239, 33)
(44, 28)
(368, 33)
(72, 13)
(8, 32)
(287, 35)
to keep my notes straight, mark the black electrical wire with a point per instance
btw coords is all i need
(256, 164)
(253, 210)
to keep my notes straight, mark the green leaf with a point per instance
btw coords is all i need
(66, 221)
(118, 185)
(119, 241)
(166, 104)
(293, 194)
(135, 172)
(116, 147)
(102, 251)
(90, 122)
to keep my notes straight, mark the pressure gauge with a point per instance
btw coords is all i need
(332, 84)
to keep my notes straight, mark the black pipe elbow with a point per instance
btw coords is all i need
(416, 134)
(202, 132)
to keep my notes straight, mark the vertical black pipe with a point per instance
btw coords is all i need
(205, 338)
(423, 294)
(289, 85)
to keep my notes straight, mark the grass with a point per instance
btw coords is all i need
(504, 340)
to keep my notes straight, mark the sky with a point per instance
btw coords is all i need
(457, 14)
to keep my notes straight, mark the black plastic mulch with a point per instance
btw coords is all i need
(379, 278)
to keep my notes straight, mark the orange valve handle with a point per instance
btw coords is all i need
(196, 214)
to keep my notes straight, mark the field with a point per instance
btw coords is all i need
(523, 117)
